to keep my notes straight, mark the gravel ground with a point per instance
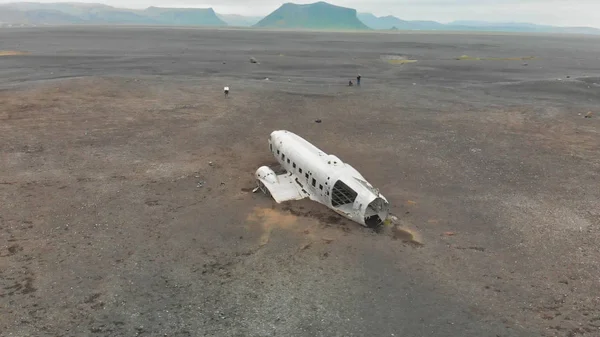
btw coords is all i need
(125, 179)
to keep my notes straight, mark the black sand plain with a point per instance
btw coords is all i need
(125, 181)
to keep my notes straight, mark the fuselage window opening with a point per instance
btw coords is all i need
(342, 194)
(282, 156)
(294, 165)
(277, 151)
(314, 182)
(321, 187)
(300, 169)
(288, 160)
(271, 147)
(306, 175)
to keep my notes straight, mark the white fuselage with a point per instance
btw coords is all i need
(328, 180)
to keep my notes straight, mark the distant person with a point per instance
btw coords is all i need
(358, 80)
(350, 83)
(226, 89)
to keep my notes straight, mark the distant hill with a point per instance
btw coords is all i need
(319, 15)
(184, 16)
(239, 20)
(392, 22)
(389, 21)
(36, 17)
(83, 13)
(384, 22)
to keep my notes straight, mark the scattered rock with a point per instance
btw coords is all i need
(266, 79)
(568, 76)
(328, 241)
(12, 250)
(479, 249)
(253, 60)
(318, 121)
(525, 64)
(210, 163)
(588, 115)
(449, 233)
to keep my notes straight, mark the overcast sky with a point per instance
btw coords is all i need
(555, 12)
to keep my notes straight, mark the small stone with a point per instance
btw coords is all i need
(318, 121)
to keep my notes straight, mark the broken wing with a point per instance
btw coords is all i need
(283, 188)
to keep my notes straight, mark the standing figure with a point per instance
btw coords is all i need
(358, 79)
(226, 89)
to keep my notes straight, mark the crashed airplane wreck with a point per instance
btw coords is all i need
(324, 178)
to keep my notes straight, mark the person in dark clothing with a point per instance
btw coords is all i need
(349, 83)
(358, 79)
(226, 90)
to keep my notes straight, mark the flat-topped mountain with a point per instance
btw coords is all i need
(82, 13)
(319, 15)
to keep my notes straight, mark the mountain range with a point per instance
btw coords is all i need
(392, 23)
(316, 16)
